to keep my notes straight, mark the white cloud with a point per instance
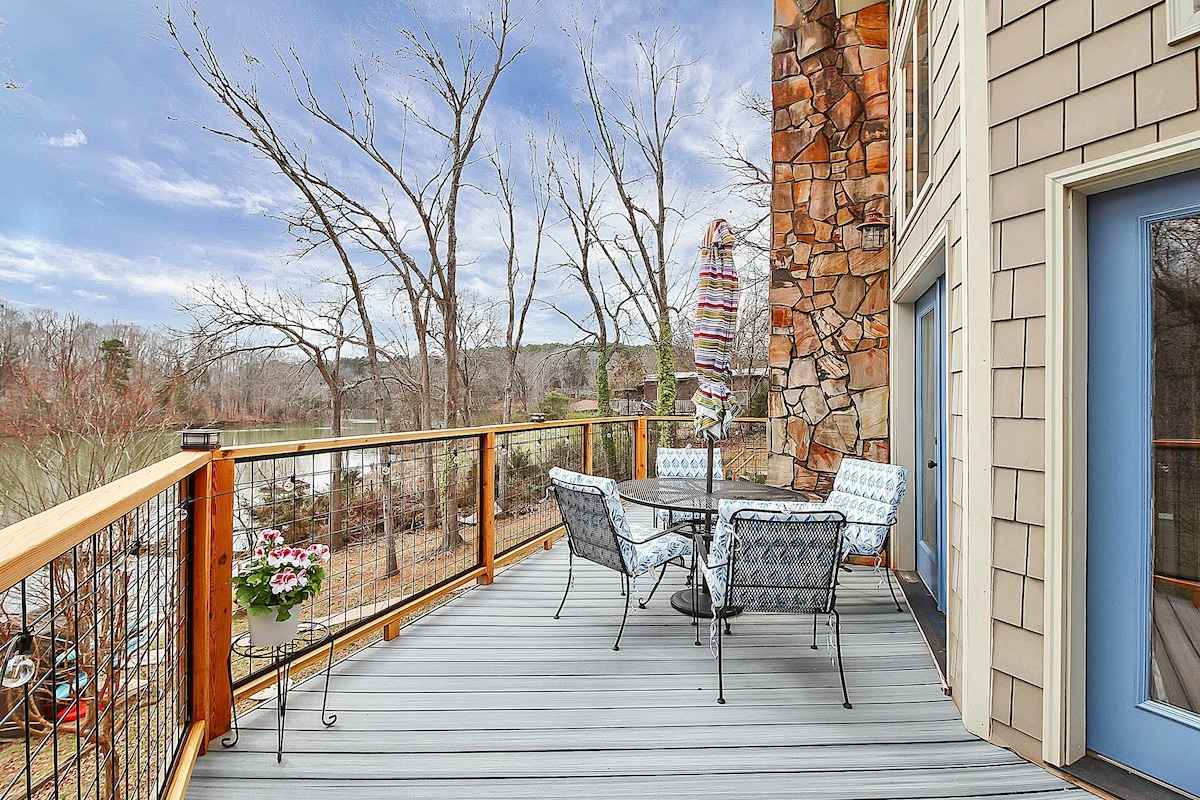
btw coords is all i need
(49, 266)
(94, 297)
(75, 138)
(151, 181)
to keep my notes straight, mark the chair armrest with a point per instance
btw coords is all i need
(701, 549)
(657, 535)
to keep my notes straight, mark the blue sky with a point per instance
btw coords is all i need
(111, 208)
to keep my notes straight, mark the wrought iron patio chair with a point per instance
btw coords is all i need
(685, 462)
(775, 557)
(598, 531)
(868, 494)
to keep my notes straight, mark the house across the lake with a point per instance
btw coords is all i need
(986, 227)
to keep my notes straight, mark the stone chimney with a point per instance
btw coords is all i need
(829, 297)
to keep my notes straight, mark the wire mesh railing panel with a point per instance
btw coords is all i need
(612, 450)
(398, 520)
(743, 451)
(94, 688)
(524, 507)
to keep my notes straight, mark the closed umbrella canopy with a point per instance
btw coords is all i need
(716, 323)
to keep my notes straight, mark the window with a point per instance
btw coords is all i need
(1183, 19)
(912, 112)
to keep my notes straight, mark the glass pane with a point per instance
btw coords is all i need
(1175, 612)
(909, 86)
(924, 85)
(929, 427)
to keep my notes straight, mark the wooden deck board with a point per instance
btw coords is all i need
(490, 697)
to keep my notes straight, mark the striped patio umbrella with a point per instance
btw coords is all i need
(716, 322)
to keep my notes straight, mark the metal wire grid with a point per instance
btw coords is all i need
(612, 450)
(399, 520)
(105, 626)
(743, 452)
(1177, 512)
(524, 507)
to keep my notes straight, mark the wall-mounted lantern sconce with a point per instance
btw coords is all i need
(874, 228)
(201, 439)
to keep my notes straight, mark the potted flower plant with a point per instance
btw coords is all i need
(272, 581)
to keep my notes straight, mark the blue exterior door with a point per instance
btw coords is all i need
(1143, 439)
(929, 472)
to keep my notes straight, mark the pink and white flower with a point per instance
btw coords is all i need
(318, 552)
(284, 582)
(270, 537)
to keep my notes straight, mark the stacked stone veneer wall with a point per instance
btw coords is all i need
(829, 297)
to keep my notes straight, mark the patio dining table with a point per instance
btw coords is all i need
(692, 495)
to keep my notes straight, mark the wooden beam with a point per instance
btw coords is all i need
(28, 545)
(193, 745)
(220, 602)
(487, 506)
(641, 429)
(586, 459)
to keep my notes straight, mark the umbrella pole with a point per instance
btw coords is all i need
(709, 471)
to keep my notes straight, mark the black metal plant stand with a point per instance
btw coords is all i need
(310, 635)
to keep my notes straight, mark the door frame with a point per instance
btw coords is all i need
(909, 287)
(1064, 728)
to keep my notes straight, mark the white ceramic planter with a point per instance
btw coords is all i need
(266, 631)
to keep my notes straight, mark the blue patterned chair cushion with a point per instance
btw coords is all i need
(869, 494)
(639, 552)
(716, 570)
(685, 462)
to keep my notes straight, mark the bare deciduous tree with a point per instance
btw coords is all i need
(632, 126)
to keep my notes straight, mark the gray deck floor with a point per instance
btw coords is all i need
(489, 696)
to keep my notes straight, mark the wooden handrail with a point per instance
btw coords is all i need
(409, 437)
(30, 544)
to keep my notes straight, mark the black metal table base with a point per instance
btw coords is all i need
(310, 634)
(681, 601)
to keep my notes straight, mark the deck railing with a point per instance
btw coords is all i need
(117, 613)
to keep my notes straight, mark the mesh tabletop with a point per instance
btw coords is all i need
(691, 494)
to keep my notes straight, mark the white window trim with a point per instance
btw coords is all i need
(1064, 658)
(1183, 20)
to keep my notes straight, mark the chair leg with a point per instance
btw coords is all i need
(695, 597)
(662, 573)
(720, 668)
(837, 633)
(625, 586)
(891, 589)
(570, 572)
(814, 639)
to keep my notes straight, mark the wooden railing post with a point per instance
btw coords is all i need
(487, 506)
(641, 433)
(587, 449)
(212, 597)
